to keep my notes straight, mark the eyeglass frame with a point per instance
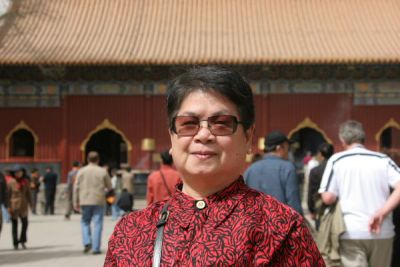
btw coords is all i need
(236, 122)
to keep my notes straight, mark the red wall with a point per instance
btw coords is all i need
(284, 112)
(45, 122)
(61, 131)
(374, 118)
(137, 117)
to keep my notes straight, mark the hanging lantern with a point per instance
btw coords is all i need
(148, 144)
(249, 158)
(261, 144)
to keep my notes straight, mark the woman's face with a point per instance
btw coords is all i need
(19, 174)
(204, 157)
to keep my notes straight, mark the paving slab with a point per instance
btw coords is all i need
(54, 241)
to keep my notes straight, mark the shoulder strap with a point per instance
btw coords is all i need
(159, 235)
(165, 184)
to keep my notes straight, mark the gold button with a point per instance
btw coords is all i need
(201, 204)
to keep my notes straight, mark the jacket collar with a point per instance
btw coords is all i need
(271, 156)
(219, 205)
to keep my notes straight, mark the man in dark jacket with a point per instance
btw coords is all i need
(50, 186)
(275, 175)
(325, 151)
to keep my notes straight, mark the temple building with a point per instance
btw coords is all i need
(89, 75)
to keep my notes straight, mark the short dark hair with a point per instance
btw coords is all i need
(228, 83)
(76, 163)
(166, 157)
(326, 150)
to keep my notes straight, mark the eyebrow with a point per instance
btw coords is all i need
(221, 112)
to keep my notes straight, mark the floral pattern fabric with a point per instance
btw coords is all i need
(237, 227)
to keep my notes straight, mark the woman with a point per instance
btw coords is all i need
(116, 183)
(19, 195)
(35, 188)
(213, 219)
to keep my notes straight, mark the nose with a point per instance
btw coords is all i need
(203, 132)
(203, 124)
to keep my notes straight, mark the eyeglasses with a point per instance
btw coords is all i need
(218, 125)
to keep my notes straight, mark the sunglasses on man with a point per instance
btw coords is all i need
(219, 125)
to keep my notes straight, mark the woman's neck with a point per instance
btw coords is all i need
(204, 188)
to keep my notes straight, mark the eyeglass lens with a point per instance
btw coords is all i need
(218, 125)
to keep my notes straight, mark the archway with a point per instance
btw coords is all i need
(111, 143)
(389, 142)
(307, 136)
(22, 144)
(111, 147)
(388, 137)
(21, 141)
(305, 140)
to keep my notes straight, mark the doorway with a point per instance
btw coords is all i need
(306, 140)
(22, 144)
(390, 139)
(110, 146)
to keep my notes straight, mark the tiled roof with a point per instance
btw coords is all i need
(201, 31)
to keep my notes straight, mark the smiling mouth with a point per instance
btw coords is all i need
(202, 155)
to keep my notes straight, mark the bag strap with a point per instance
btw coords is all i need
(159, 235)
(165, 183)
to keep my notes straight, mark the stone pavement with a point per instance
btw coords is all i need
(54, 241)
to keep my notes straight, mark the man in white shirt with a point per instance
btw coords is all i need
(360, 179)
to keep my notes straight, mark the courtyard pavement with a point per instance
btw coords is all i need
(54, 241)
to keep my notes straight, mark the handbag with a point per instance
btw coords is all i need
(110, 197)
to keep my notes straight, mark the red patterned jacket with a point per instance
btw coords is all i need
(237, 227)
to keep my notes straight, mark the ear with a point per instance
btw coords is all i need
(344, 145)
(249, 134)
